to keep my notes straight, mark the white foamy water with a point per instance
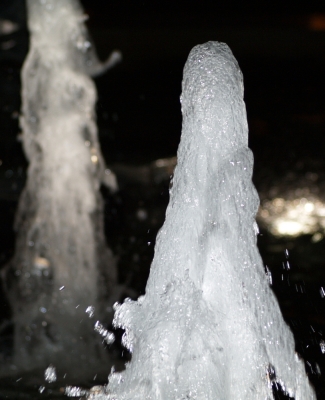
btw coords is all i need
(209, 326)
(61, 262)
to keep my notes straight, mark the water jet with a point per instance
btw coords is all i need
(61, 263)
(209, 325)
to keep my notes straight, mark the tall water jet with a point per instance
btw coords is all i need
(209, 325)
(61, 263)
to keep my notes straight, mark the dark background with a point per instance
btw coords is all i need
(280, 47)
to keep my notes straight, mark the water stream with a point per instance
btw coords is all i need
(209, 325)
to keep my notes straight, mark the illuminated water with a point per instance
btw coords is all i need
(130, 235)
(61, 263)
(208, 326)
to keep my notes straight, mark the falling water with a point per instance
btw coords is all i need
(62, 263)
(209, 326)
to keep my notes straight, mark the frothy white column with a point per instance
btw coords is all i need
(61, 264)
(209, 326)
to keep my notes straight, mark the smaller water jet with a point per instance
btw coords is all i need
(209, 326)
(62, 263)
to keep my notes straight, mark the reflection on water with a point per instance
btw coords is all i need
(293, 217)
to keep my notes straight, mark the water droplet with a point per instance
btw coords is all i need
(90, 310)
(75, 391)
(50, 374)
(322, 346)
(268, 274)
(108, 336)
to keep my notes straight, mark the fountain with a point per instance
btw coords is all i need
(209, 325)
(62, 264)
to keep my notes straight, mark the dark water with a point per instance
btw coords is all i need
(283, 61)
